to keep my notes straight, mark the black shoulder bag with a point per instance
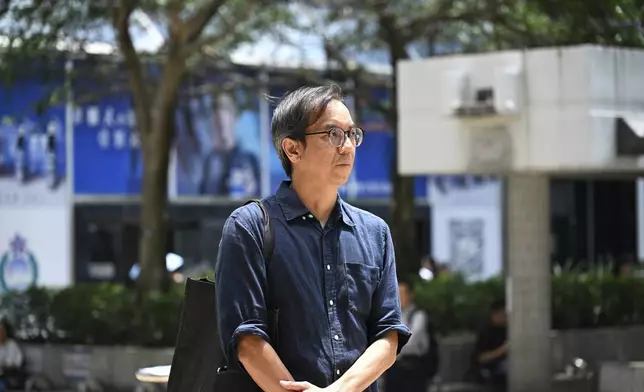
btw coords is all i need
(198, 363)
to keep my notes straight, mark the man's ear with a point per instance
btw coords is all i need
(292, 149)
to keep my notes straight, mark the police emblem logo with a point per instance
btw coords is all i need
(18, 266)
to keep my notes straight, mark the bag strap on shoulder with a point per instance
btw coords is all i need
(269, 237)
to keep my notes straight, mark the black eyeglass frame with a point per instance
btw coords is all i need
(345, 133)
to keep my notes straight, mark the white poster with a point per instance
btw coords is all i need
(35, 210)
(34, 248)
(34, 203)
(466, 219)
(639, 200)
(467, 245)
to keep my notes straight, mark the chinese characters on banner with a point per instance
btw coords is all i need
(107, 156)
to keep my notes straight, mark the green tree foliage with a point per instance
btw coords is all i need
(529, 24)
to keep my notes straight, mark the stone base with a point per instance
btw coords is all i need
(621, 377)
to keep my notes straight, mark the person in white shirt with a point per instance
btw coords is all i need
(11, 358)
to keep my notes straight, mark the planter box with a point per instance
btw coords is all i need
(112, 366)
(115, 366)
(621, 377)
(593, 345)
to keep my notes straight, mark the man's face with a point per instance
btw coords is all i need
(319, 160)
(405, 294)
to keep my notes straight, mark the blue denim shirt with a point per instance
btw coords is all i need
(335, 287)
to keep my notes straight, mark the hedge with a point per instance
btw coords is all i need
(107, 314)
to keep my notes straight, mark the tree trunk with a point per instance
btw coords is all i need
(403, 209)
(154, 201)
(155, 109)
(156, 144)
(404, 226)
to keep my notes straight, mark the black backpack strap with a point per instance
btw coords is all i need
(269, 237)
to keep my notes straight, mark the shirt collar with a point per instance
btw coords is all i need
(293, 208)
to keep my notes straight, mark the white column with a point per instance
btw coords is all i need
(639, 193)
(529, 283)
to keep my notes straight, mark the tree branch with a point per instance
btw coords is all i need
(390, 33)
(362, 88)
(420, 26)
(334, 52)
(121, 21)
(5, 6)
(193, 26)
(198, 44)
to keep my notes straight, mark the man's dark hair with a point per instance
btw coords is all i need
(298, 110)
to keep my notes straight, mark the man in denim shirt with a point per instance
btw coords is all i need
(332, 277)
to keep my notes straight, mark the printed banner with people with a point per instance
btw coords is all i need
(218, 145)
(32, 147)
(34, 192)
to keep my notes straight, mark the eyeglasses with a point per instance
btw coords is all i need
(337, 136)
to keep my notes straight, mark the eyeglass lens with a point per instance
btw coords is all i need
(337, 136)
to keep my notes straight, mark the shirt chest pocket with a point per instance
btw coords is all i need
(361, 281)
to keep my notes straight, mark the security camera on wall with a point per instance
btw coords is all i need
(498, 95)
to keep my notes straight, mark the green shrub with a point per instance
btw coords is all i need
(455, 305)
(108, 314)
(578, 301)
(100, 314)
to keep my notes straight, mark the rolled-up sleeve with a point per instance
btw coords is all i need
(386, 314)
(240, 279)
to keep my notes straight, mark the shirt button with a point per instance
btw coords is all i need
(331, 302)
(337, 371)
(336, 337)
(328, 267)
(303, 218)
(310, 216)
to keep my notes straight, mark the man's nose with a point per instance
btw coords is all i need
(347, 146)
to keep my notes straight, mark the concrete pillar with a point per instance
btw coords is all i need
(528, 283)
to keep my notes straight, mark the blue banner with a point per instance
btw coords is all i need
(32, 145)
(107, 156)
(218, 145)
(374, 159)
